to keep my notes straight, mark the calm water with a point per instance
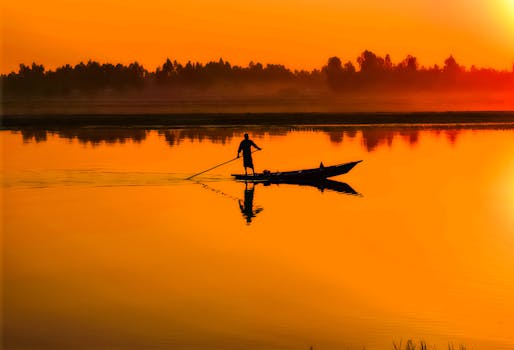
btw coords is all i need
(106, 246)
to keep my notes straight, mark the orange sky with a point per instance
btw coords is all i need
(299, 34)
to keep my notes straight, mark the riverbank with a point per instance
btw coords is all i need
(265, 119)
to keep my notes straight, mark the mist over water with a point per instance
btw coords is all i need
(106, 245)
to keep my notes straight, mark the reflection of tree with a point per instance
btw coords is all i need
(411, 135)
(87, 135)
(371, 136)
(170, 136)
(214, 135)
(336, 136)
(452, 135)
(34, 134)
(246, 206)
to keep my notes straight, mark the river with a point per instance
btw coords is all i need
(106, 245)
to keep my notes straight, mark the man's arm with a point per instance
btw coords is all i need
(254, 145)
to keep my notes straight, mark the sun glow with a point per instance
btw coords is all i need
(508, 8)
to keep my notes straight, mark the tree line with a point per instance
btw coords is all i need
(372, 72)
(376, 72)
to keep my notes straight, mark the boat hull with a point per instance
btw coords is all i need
(306, 175)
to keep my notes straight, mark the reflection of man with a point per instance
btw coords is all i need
(246, 147)
(247, 207)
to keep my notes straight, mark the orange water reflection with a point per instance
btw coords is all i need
(106, 246)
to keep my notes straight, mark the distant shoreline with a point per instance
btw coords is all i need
(257, 119)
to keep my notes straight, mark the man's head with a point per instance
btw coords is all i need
(246, 136)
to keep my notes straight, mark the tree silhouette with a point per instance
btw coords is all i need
(410, 64)
(334, 72)
(451, 66)
(370, 63)
(374, 73)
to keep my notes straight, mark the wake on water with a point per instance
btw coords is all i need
(102, 178)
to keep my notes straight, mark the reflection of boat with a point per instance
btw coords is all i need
(306, 175)
(321, 185)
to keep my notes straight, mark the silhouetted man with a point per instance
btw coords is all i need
(246, 147)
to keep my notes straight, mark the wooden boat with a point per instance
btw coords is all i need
(299, 176)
